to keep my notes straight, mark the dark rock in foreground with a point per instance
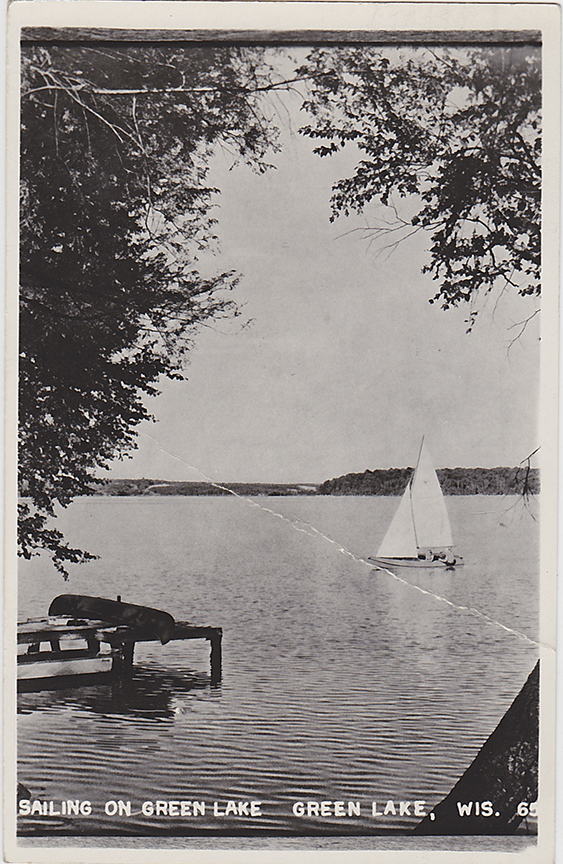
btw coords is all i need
(504, 775)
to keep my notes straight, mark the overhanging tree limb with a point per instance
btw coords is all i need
(471, 160)
(110, 302)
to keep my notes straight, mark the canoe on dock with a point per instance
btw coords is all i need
(150, 621)
(93, 637)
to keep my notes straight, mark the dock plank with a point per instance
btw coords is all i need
(122, 636)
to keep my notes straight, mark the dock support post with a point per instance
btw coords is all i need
(216, 655)
(124, 660)
(128, 651)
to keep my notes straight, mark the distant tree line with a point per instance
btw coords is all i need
(454, 481)
(390, 481)
(143, 486)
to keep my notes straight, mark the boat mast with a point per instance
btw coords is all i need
(411, 484)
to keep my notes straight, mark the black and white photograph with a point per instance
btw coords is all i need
(283, 286)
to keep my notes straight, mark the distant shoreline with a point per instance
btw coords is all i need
(180, 487)
(383, 483)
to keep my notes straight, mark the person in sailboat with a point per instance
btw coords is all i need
(446, 555)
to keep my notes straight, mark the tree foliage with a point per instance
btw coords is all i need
(456, 131)
(115, 213)
(522, 480)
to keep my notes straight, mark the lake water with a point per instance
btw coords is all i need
(340, 683)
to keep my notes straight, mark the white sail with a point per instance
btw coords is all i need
(400, 539)
(421, 520)
(430, 517)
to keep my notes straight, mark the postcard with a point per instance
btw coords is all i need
(284, 483)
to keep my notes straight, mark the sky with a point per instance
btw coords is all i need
(344, 363)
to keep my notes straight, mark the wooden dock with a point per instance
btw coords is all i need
(125, 642)
(121, 639)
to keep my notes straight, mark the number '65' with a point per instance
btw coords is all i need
(525, 809)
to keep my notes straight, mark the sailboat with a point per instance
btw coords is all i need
(419, 534)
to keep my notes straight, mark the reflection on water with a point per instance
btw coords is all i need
(339, 682)
(145, 694)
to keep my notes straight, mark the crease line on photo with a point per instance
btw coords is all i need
(303, 527)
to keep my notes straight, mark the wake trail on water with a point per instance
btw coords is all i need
(311, 531)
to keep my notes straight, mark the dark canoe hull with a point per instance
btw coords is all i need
(414, 563)
(152, 622)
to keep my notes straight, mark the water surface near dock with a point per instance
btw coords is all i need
(340, 683)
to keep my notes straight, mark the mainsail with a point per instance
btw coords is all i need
(421, 520)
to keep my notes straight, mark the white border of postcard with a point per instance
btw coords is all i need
(315, 16)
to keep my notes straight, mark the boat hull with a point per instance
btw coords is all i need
(414, 563)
